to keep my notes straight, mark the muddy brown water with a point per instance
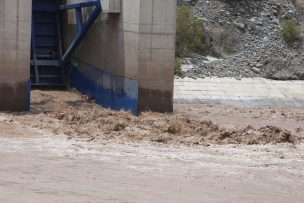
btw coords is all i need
(37, 167)
(72, 114)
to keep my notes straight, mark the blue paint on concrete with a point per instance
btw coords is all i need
(28, 101)
(105, 88)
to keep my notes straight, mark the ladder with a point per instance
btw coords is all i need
(48, 56)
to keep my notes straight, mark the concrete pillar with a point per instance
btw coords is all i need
(15, 46)
(127, 58)
(156, 53)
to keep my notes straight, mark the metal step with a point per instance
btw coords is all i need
(46, 63)
(45, 34)
(46, 44)
(48, 76)
(44, 22)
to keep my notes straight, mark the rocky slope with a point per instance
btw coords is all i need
(257, 48)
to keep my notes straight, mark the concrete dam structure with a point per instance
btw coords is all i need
(118, 52)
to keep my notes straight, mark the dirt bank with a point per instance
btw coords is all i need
(74, 115)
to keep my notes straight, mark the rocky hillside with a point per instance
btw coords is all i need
(255, 42)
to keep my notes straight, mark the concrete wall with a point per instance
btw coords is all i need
(15, 42)
(111, 6)
(130, 54)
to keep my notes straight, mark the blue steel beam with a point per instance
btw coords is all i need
(82, 27)
(55, 8)
(79, 5)
(79, 19)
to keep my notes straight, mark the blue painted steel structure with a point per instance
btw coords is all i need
(105, 88)
(49, 58)
(48, 55)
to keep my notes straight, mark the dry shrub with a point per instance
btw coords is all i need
(224, 40)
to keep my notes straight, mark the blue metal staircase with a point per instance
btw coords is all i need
(48, 57)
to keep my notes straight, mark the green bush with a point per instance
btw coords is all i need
(178, 68)
(290, 31)
(190, 35)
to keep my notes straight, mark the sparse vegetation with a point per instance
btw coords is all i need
(290, 31)
(190, 34)
(178, 67)
(224, 40)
